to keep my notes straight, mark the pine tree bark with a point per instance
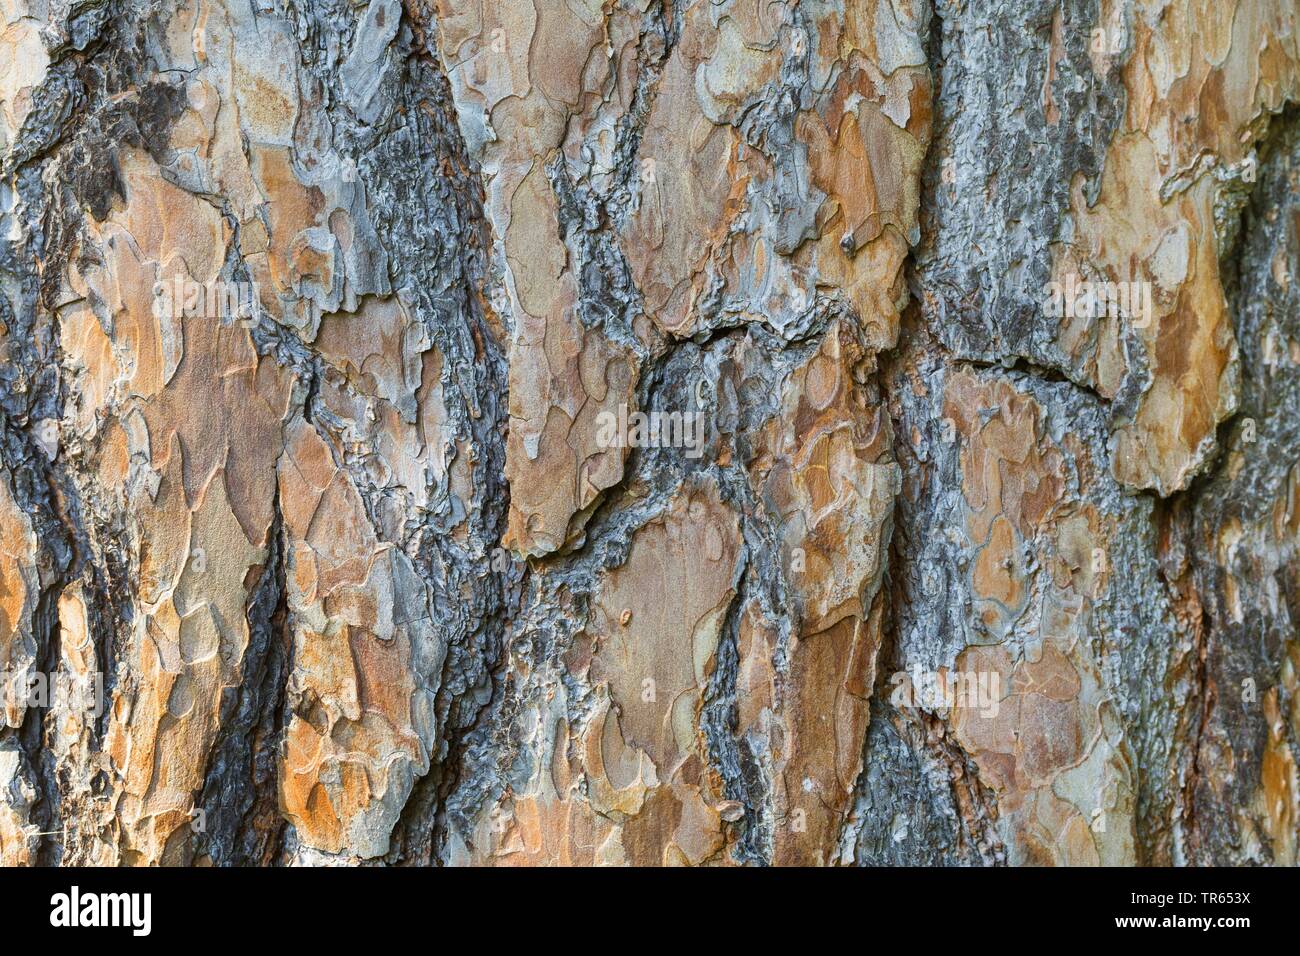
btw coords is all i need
(649, 432)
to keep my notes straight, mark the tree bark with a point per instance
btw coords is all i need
(649, 432)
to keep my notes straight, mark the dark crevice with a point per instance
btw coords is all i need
(1227, 490)
(239, 821)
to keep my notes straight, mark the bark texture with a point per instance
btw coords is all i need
(362, 575)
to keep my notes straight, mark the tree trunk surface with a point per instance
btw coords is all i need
(531, 432)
